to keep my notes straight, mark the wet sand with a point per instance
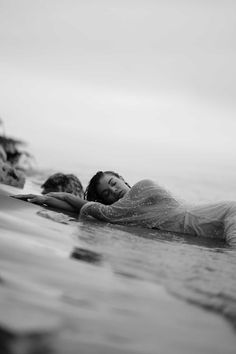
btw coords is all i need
(53, 302)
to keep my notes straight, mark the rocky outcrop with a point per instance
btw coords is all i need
(11, 176)
(3, 155)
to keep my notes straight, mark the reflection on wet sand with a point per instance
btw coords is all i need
(86, 255)
(95, 288)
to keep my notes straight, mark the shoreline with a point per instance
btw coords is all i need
(73, 304)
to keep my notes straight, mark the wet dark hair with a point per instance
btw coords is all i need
(67, 182)
(91, 193)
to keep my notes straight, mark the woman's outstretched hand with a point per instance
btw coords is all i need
(32, 198)
(25, 197)
(60, 201)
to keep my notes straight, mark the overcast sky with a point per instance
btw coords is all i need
(147, 72)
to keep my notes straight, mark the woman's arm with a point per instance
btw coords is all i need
(46, 200)
(53, 203)
(74, 201)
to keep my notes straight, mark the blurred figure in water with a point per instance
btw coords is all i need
(60, 182)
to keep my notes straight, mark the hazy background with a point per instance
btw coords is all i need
(144, 85)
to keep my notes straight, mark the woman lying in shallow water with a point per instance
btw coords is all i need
(109, 198)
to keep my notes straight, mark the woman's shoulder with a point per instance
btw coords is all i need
(148, 187)
(144, 185)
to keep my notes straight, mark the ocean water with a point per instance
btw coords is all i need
(198, 270)
(99, 288)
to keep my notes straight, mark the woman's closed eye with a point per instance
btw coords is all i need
(112, 183)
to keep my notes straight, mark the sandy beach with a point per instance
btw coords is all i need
(145, 89)
(53, 302)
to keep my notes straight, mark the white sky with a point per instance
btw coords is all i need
(94, 75)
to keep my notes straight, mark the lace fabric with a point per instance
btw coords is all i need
(213, 220)
(146, 204)
(149, 205)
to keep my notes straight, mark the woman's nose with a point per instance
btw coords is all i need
(114, 189)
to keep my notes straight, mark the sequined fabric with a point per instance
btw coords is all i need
(149, 205)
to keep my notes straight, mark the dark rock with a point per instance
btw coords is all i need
(86, 255)
(3, 155)
(11, 176)
(25, 343)
(11, 149)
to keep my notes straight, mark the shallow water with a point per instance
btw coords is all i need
(197, 270)
(101, 288)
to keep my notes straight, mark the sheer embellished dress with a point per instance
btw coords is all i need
(151, 206)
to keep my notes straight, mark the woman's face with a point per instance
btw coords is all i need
(111, 188)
